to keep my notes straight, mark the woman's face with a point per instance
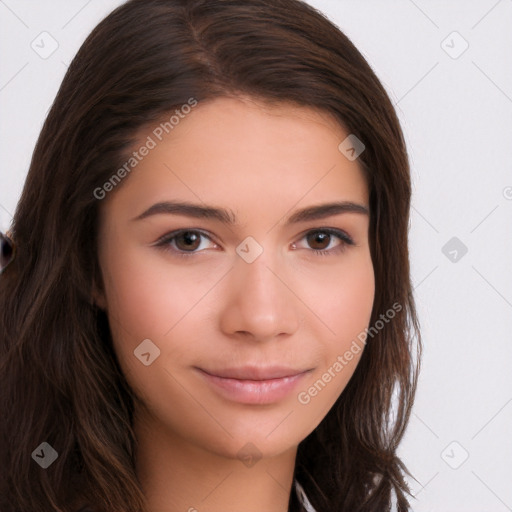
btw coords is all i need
(229, 323)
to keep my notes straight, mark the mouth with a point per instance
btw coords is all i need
(254, 385)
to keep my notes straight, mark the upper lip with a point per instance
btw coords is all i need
(255, 372)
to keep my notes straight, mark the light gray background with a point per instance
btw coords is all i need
(456, 112)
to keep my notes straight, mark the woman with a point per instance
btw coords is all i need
(209, 306)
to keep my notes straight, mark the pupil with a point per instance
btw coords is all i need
(320, 238)
(191, 240)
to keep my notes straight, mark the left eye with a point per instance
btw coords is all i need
(326, 240)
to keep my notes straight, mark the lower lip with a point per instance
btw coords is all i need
(254, 391)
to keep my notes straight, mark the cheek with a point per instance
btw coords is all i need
(147, 297)
(150, 299)
(351, 315)
(143, 303)
(344, 305)
(342, 299)
(354, 305)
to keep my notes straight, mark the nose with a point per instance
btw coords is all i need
(259, 305)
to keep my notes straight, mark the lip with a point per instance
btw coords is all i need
(254, 385)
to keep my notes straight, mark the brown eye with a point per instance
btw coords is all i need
(318, 240)
(325, 241)
(188, 241)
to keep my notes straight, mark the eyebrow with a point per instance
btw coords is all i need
(228, 217)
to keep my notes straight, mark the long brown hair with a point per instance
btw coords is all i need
(60, 381)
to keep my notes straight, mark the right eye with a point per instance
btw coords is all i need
(185, 242)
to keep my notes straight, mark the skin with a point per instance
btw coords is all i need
(213, 309)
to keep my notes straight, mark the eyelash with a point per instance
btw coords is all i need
(165, 241)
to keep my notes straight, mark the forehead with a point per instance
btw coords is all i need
(252, 155)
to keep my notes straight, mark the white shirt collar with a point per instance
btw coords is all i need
(303, 498)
